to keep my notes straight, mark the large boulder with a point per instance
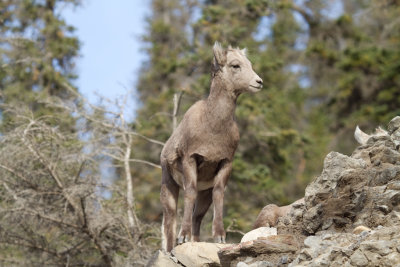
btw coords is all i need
(273, 250)
(198, 254)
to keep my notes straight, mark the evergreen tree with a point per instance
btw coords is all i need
(37, 52)
(354, 70)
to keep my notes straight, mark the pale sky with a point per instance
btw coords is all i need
(111, 53)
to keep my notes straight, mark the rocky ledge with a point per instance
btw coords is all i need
(350, 217)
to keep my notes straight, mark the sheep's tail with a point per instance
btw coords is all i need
(360, 136)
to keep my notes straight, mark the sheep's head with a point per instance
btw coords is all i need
(235, 70)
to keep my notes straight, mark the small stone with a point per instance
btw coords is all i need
(313, 241)
(261, 264)
(374, 259)
(395, 185)
(364, 234)
(259, 232)
(384, 208)
(358, 259)
(321, 261)
(284, 260)
(360, 229)
(328, 223)
(248, 259)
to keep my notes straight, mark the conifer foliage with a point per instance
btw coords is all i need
(38, 50)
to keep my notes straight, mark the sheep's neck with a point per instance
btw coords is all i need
(221, 104)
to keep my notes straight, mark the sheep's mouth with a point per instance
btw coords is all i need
(256, 88)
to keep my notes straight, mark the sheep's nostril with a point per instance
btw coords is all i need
(260, 82)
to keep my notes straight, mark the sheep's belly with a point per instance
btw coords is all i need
(205, 176)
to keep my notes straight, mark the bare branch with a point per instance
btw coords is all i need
(10, 191)
(146, 162)
(148, 139)
(39, 156)
(177, 102)
(16, 174)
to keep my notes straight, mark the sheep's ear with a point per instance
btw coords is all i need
(219, 55)
(244, 51)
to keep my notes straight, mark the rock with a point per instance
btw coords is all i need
(255, 264)
(358, 259)
(394, 124)
(381, 247)
(322, 198)
(360, 229)
(357, 184)
(259, 232)
(313, 242)
(271, 249)
(392, 259)
(198, 254)
(162, 259)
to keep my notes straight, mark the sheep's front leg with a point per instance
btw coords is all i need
(203, 202)
(218, 199)
(190, 193)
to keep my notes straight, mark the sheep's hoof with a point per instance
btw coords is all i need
(183, 239)
(219, 239)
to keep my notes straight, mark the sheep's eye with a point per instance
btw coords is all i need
(236, 66)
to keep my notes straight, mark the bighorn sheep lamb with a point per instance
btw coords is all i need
(269, 215)
(198, 155)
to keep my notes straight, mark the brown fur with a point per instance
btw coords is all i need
(270, 214)
(198, 155)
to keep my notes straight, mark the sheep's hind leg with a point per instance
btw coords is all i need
(203, 202)
(169, 200)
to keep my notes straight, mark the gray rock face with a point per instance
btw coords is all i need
(352, 193)
(350, 217)
(378, 248)
(357, 190)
